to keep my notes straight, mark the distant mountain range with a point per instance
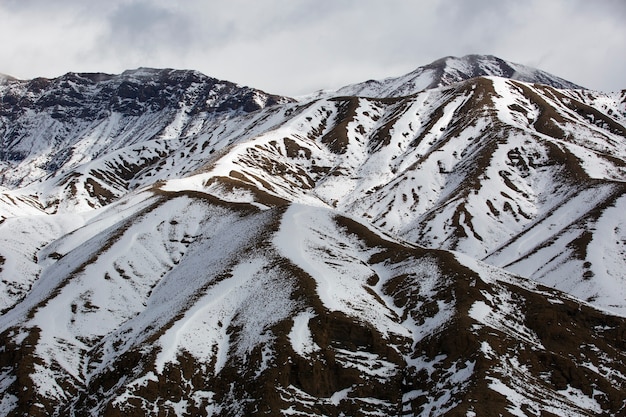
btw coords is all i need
(451, 242)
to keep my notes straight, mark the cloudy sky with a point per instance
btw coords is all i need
(295, 47)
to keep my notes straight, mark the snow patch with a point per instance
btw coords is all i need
(300, 335)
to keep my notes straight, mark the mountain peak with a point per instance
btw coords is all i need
(450, 70)
(147, 73)
(472, 66)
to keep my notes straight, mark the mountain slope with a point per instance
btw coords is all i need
(500, 170)
(171, 244)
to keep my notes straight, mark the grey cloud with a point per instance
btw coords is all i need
(85, 8)
(238, 20)
(153, 29)
(295, 47)
(145, 28)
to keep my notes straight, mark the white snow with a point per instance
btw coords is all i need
(523, 397)
(310, 239)
(203, 331)
(300, 335)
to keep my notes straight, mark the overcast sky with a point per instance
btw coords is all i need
(294, 47)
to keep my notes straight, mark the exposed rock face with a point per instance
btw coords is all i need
(171, 244)
(87, 95)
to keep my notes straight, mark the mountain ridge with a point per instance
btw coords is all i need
(338, 255)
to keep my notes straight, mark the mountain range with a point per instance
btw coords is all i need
(451, 242)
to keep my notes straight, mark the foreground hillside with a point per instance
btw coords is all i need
(189, 304)
(450, 242)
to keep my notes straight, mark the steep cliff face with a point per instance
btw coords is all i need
(171, 244)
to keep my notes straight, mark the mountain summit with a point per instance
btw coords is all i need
(450, 70)
(447, 243)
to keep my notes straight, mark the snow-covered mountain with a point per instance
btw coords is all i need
(450, 70)
(51, 127)
(449, 242)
